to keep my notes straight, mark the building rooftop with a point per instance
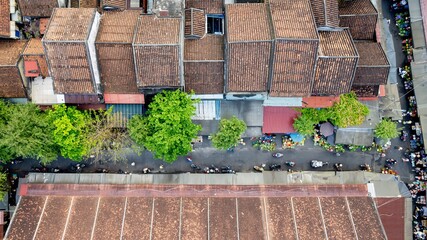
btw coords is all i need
(209, 6)
(247, 22)
(195, 23)
(122, 4)
(157, 31)
(70, 24)
(117, 27)
(195, 211)
(293, 19)
(34, 47)
(5, 18)
(325, 12)
(210, 47)
(38, 8)
(371, 54)
(336, 44)
(356, 7)
(10, 51)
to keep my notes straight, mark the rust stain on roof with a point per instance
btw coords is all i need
(247, 22)
(325, 12)
(293, 19)
(5, 18)
(157, 31)
(38, 8)
(117, 27)
(209, 6)
(70, 24)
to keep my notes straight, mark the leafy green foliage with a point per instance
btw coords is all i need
(348, 111)
(70, 131)
(4, 185)
(167, 131)
(386, 129)
(229, 133)
(25, 132)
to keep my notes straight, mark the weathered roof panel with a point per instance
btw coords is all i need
(204, 77)
(5, 18)
(38, 8)
(371, 54)
(362, 27)
(247, 22)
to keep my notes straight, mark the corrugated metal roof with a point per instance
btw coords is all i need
(117, 27)
(279, 120)
(247, 22)
(293, 19)
(41, 61)
(5, 18)
(31, 69)
(124, 112)
(124, 98)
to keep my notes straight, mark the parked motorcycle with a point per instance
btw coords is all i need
(146, 170)
(227, 169)
(260, 168)
(290, 164)
(318, 164)
(365, 167)
(338, 166)
(274, 167)
(277, 155)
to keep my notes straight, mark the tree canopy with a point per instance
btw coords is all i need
(25, 132)
(229, 133)
(386, 129)
(4, 185)
(167, 130)
(70, 131)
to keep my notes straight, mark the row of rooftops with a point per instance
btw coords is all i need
(274, 47)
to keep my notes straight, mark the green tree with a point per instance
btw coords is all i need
(167, 130)
(348, 111)
(386, 129)
(70, 131)
(229, 132)
(24, 132)
(4, 185)
(304, 124)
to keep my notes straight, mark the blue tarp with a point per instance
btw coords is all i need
(296, 137)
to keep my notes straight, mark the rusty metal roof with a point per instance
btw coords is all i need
(247, 22)
(117, 27)
(279, 119)
(293, 19)
(39, 8)
(196, 212)
(70, 24)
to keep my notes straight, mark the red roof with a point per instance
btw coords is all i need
(392, 214)
(279, 120)
(31, 69)
(318, 102)
(124, 98)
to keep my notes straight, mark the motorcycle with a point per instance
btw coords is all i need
(338, 166)
(290, 164)
(146, 170)
(227, 169)
(260, 168)
(274, 167)
(277, 155)
(365, 167)
(318, 164)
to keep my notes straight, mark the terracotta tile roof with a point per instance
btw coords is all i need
(360, 16)
(157, 31)
(279, 120)
(319, 102)
(356, 7)
(210, 6)
(195, 23)
(10, 51)
(371, 54)
(248, 66)
(69, 67)
(392, 214)
(336, 43)
(5, 18)
(117, 68)
(11, 85)
(325, 12)
(122, 4)
(293, 19)
(373, 67)
(204, 77)
(37, 8)
(70, 24)
(157, 66)
(211, 47)
(88, 3)
(124, 98)
(117, 27)
(366, 90)
(247, 22)
(293, 68)
(34, 47)
(43, 25)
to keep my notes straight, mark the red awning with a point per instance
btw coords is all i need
(124, 98)
(279, 120)
(31, 69)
